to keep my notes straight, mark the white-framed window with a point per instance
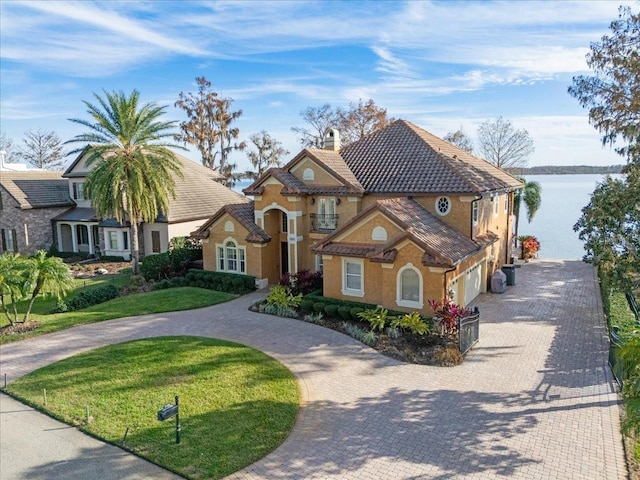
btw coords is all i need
(443, 206)
(353, 277)
(474, 212)
(319, 263)
(9, 240)
(113, 240)
(231, 257)
(125, 240)
(409, 287)
(496, 205)
(78, 190)
(285, 222)
(308, 174)
(506, 203)
(379, 233)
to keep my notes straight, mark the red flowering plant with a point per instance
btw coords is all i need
(529, 245)
(448, 314)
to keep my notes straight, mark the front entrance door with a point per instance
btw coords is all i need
(284, 257)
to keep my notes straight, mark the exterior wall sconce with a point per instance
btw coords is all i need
(313, 200)
(338, 201)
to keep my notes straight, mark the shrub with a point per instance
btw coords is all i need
(331, 310)
(287, 312)
(378, 318)
(306, 306)
(354, 312)
(449, 314)
(392, 332)
(221, 281)
(313, 318)
(412, 322)
(162, 285)
(344, 312)
(370, 338)
(303, 281)
(318, 307)
(112, 258)
(93, 297)
(282, 297)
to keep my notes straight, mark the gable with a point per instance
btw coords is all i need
(363, 230)
(320, 175)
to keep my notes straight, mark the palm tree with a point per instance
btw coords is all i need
(49, 276)
(530, 195)
(14, 282)
(133, 174)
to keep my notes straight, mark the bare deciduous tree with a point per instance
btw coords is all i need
(360, 120)
(6, 145)
(42, 149)
(269, 153)
(460, 139)
(503, 145)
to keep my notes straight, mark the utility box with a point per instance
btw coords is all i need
(498, 282)
(510, 272)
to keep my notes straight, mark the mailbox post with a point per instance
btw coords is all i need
(169, 411)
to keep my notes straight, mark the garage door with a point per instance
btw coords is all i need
(472, 284)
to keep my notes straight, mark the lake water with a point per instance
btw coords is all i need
(563, 197)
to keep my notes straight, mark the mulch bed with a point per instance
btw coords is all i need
(17, 328)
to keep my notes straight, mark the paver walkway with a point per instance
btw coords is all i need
(533, 400)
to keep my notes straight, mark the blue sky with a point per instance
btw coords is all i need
(440, 64)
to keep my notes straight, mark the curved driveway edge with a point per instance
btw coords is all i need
(533, 400)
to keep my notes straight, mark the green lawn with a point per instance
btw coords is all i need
(183, 298)
(236, 403)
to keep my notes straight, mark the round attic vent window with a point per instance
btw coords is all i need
(443, 205)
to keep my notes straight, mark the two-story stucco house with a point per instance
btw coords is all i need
(197, 194)
(394, 219)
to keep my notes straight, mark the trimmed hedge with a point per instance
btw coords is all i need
(88, 298)
(220, 281)
(167, 265)
(345, 309)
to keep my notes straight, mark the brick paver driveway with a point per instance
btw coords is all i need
(533, 400)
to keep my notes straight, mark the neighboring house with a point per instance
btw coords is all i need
(29, 199)
(394, 219)
(197, 194)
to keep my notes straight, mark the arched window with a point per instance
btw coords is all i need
(409, 291)
(231, 257)
(379, 233)
(308, 174)
(228, 226)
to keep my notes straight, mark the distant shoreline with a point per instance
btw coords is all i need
(569, 170)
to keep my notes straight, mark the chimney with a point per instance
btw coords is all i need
(332, 140)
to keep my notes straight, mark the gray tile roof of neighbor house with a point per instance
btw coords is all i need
(36, 189)
(198, 194)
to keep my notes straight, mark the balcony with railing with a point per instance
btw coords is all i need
(322, 223)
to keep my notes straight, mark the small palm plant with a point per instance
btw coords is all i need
(49, 276)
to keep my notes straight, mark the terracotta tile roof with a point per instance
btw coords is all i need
(329, 160)
(405, 159)
(36, 189)
(198, 193)
(244, 214)
(442, 244)
(334, 162)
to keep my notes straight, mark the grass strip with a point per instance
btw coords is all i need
(236, 403)
(170, 300)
